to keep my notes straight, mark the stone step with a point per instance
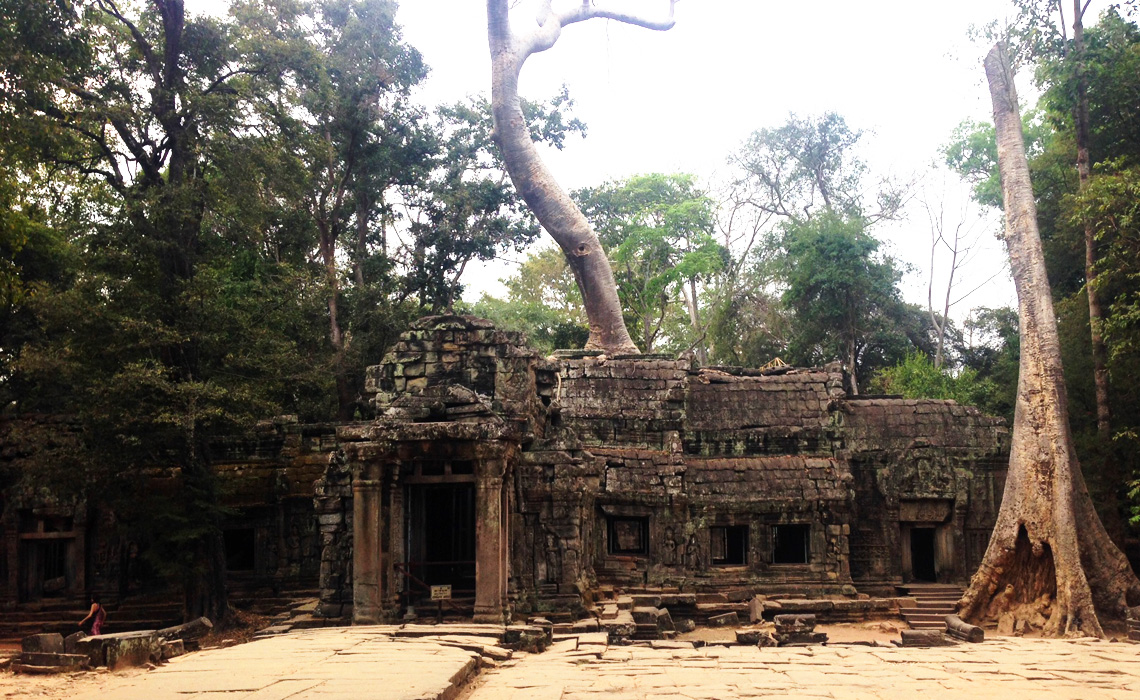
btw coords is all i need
(927, 625)
(911, 618)
(935, 606)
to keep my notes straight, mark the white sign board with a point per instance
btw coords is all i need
(441, 592)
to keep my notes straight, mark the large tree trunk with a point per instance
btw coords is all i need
(546, 199)
(1049, 561)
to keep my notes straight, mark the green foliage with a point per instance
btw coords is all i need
(842, 293)
(542, 301)
(916, 377)
(658, 233)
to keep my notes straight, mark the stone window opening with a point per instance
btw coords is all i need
(791, 544)
(628, 536)
(241, 548)
(728, 545)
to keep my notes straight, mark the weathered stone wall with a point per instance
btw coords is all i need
(637, 401)
(913, 455)
(268, 484)
(675, 464)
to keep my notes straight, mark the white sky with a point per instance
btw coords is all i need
(682, 100)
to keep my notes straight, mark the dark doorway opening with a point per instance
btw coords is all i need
(441, 535)
(922, 554)
(241, 549)
(728, 546)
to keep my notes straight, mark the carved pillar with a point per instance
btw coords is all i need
(12, 551)
(490, 536)
(367, 560)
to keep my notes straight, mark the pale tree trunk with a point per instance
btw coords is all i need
(1049, 561)
(535, 184)
(690, 295)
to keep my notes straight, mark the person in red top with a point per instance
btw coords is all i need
(93, 623)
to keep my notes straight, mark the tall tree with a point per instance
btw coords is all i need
(658, 229)
(840, 291)
(557, 213)
(1049, 553)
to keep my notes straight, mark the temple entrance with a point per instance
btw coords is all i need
(441, 536)
(922, 556)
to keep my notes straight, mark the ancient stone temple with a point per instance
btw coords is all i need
(525, 482)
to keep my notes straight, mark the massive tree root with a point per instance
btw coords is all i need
(1050, 564)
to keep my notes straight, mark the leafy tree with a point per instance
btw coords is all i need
(1048, 548)
(543, 301)
(658, 229)
(840, 290)
(510, 48)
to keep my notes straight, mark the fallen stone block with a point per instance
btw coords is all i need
(121, 650)
(646, 601)
(748, 637)
(71, 640)
(622, 628)
(51, 643)
(959, 629)
(795, 623)
(925, 638)
(726, 620)
(756, 609)
(799, 639)
(526, 638)
(172, 648)
(588, 625)
(49, 662)
(195, 629)
(685, 625)
(679, 599)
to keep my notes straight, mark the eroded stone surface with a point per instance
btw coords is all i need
(1003, 669)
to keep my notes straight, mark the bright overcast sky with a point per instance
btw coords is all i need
(682, 100)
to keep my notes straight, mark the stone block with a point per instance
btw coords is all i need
(588, 625)
(173, 648)
(70, 642)
(526, 638)
(800, 638)
(925, 638)
(685, 625)
(748, 637)
(726, 620)
(756, 609)
(121, 650)
(786, 624)
(646, 601)
(51, 643)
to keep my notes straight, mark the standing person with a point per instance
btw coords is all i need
(93, 623)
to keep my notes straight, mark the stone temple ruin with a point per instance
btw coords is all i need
(530, 483)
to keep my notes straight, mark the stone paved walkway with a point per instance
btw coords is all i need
(347, 663)
(1008, 669)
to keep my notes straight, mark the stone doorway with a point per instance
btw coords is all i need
(440, 531)
(922, 554)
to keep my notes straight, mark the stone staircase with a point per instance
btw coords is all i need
(935, 602)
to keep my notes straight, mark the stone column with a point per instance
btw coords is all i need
(12, 552)
(367, 596)
(490, 548)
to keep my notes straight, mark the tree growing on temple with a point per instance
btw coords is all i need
(1050, 562)
(510, 48)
